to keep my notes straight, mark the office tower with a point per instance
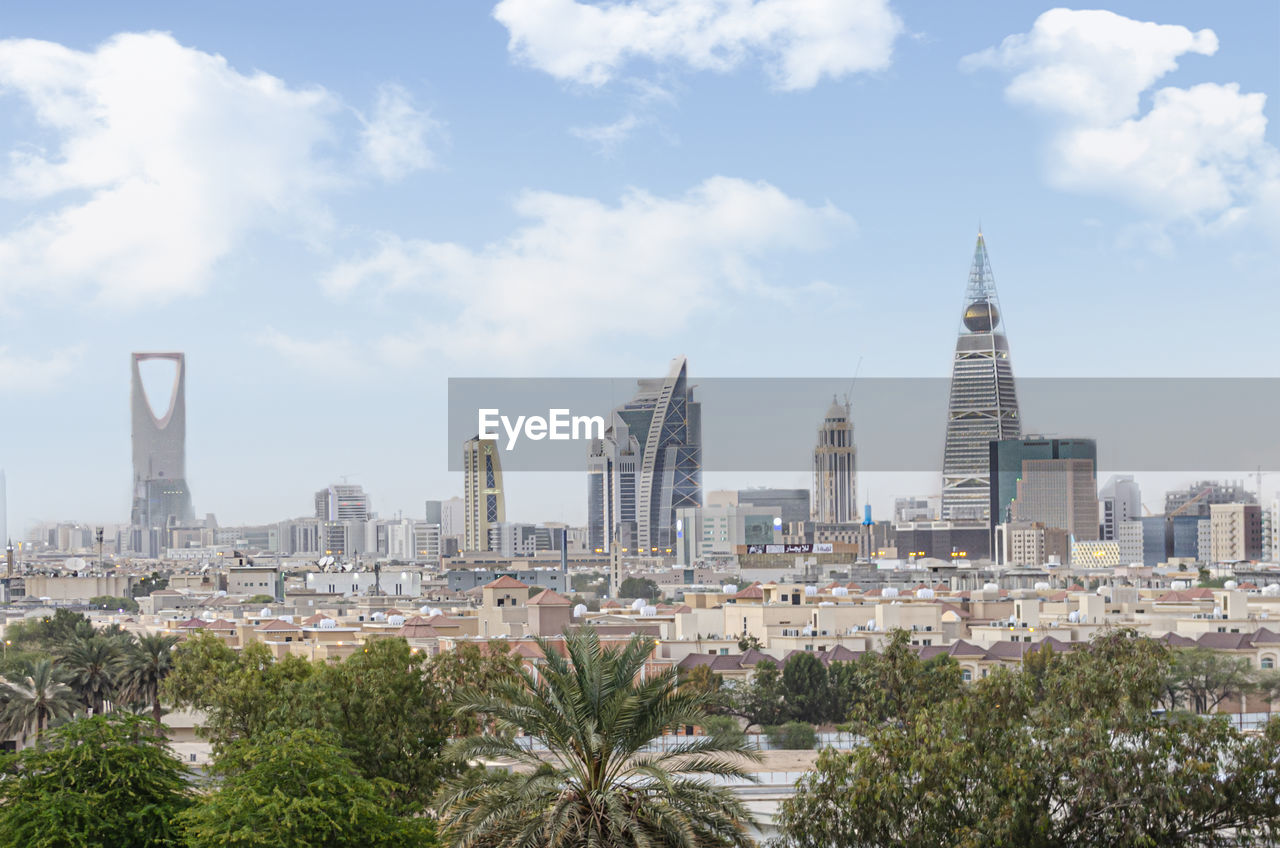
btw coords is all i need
(4, 512)
(342, 502)
(1059, 493)
(160, 493)
(1007, 465)
(434, 512)
(983, 405)
(482, 492)
(1120, 501)
(835, 463)
(453, 517)
(1235, 532)
(647, 466)
(791, 505)
(1197, 498)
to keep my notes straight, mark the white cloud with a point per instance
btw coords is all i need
(19, 372)
(328, 355)
(395, 138)
(799, 41)
(608, 136)
(581, 270)
(1196, 153)
(1090, 65)
(160, 158)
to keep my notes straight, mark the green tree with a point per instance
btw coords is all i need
(296, 789)
(750, 643)
(151, 583)
(93, 665)
(35, 699)
(805, 689)
(146, 664)
(893, 684)
(261, 599)
(595, 716)
(111, 602)
(389, 707)
(1070, 755)
(761, 702)
(639, 587)
(1202, 678)
(384, 709)
(107, 780)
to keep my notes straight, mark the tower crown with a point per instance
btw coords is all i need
(982, 304)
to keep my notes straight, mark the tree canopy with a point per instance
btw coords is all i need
(1071, 752)
(296, 789)
(107, 780)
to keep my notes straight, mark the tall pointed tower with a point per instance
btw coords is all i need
(835, 492)
(983, 406)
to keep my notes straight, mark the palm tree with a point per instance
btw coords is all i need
(93, 665)
(36, 698)
(146, 664)
(595, 712)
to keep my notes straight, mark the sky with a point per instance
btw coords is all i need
(334, 208)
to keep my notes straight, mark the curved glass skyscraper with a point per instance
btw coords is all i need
(647, 466)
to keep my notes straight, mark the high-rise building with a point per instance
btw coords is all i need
(1057, 493)
(453, 517)
(4, 512)
(1120, 500)
(342, 502)
(482, 492)
(983, 404)
(1235, 532)
(1270, 533)
(647, 466)
(835, 464)
(160, 493)
(1060, 493)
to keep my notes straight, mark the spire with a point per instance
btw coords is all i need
(981, 303)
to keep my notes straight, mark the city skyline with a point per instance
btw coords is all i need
(322, 311)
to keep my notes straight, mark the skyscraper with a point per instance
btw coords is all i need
(983, 405)
(647, 466)
(1121, 501)
(835, 463)
(4, 512)
(342, 502)
(160, 492)
(482, 492)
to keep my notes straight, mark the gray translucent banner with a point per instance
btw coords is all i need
(771, 424)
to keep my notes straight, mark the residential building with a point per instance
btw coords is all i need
(1236, 532)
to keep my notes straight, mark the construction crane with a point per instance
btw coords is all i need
(1191, 502)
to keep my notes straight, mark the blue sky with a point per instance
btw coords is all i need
(332, 209)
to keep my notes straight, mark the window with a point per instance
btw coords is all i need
(966, 675)
(193, 757)
(1268, 662)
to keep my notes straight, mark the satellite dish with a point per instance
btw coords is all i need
(638, 604)
(580, 610)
